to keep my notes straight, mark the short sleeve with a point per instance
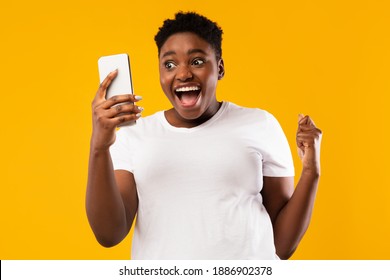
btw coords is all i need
(277, 159)
(121, 151)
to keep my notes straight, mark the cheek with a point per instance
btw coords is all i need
(165, 79)
(165, 82)
(211, 80)
(209, 75)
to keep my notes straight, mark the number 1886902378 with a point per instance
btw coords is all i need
(242, 270)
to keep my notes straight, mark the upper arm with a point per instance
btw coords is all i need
(127, 188)
(276, 193)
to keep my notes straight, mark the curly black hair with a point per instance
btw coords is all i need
(195, 23)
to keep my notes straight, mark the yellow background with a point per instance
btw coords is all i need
(329, 59)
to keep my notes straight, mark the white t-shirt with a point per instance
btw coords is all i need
(199, 188)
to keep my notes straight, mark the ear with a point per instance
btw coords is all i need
(221, 69)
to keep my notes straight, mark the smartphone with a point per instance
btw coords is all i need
(122, 84)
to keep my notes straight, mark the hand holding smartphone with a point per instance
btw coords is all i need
(122, 84)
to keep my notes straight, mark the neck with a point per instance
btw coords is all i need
(174, 118)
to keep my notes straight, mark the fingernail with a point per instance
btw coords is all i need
(137, 97)
(140, 108)
(138, 115)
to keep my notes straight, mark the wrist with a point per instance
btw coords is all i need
(97, 148)
(313, 172)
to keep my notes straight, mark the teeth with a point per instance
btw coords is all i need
(183, 89)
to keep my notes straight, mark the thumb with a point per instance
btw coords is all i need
(300, 117)
(106, 82)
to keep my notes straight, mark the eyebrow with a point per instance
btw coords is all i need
(189, 52)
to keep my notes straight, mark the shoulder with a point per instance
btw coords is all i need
(250, 115)
(143, 124)
(151, 119)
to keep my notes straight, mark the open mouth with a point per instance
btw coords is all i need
(189, 95)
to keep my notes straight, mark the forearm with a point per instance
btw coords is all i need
(294, 218)
(105, 209)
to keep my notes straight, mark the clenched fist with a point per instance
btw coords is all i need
(309, 144)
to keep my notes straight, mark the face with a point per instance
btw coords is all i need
(189, 73)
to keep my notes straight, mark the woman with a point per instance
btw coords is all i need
(207, 179)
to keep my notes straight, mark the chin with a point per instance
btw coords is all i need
(189, 114)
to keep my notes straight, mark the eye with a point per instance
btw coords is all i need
(169, 65)
(198, 61)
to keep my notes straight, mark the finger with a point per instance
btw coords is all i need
(307, 140)
(123, 98)
(315, 133)
(306, 127)
(101, 94)
(301, 119)
(301, 145)
(310, 121)
(123, 109)
(125, 118)
(306, 124)
(109, 119)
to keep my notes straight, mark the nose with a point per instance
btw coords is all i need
(184, 74)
